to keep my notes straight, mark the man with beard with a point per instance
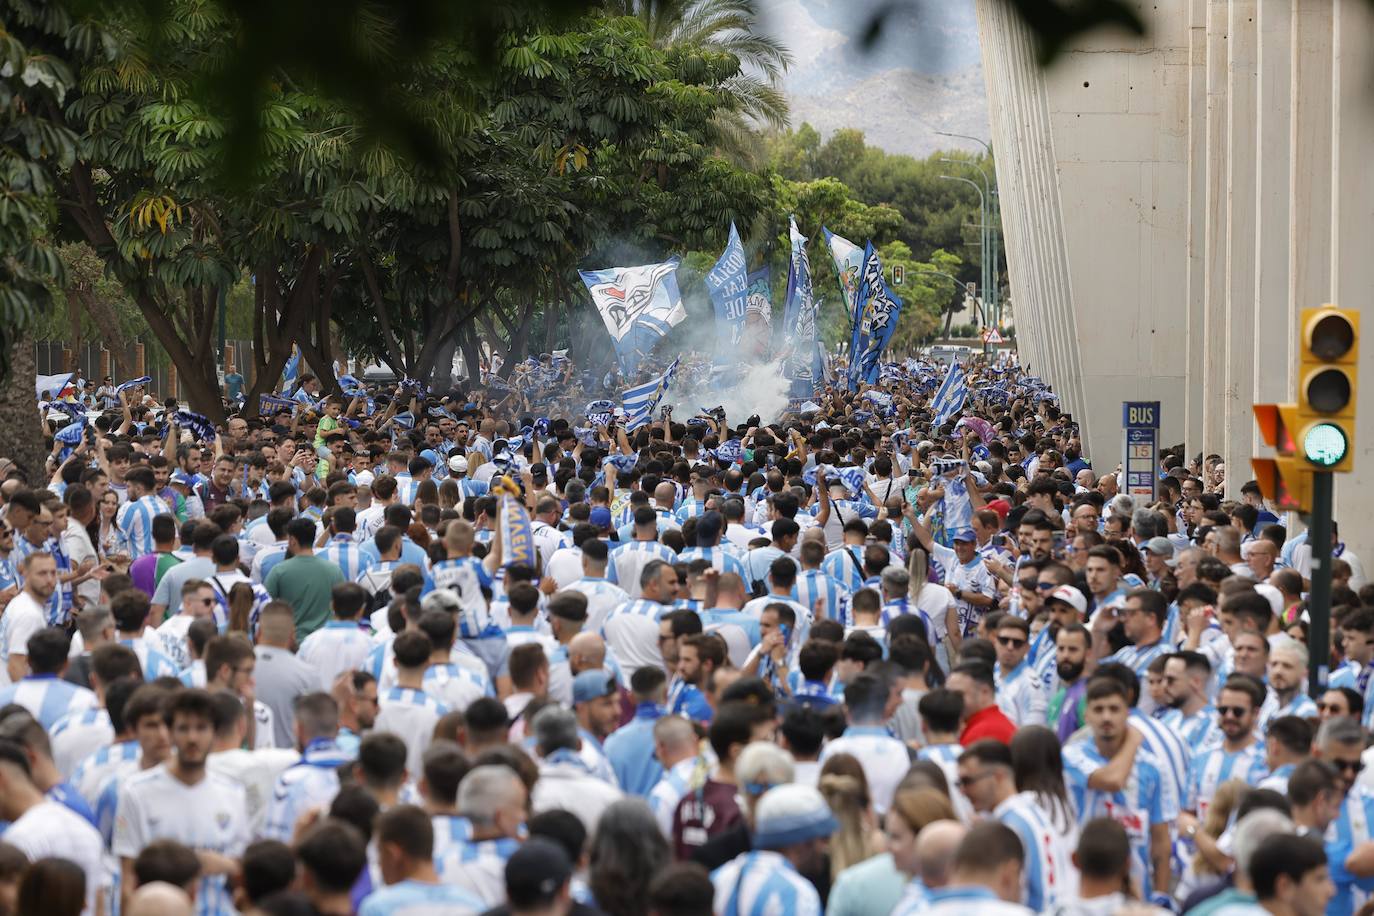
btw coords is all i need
(1186, 675)
(1287, 670)
(1066, 712)
(183, 801)
(699, 655)
(1240, 753)
(1065, 605)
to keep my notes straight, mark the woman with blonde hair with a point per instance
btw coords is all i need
(937, 603)
(875, 885)
(845, 789)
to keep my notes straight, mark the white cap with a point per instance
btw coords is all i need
(458, 464)
(1071, 596)
(363, 478)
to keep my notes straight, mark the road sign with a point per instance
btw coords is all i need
(1140, 449)
(991, 336)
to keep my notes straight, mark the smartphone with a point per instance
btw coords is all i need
(786, 632)
(999, 540)
(1058, 543)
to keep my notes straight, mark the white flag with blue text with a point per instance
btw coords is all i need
(951, 396)
(639, 305)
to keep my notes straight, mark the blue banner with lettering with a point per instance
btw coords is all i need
(728, 286)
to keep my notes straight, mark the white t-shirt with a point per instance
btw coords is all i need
(22, 618)
(52, 829)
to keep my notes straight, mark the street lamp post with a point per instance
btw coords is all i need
(996, 293)
(992, 293)
(982, 315)
(982, 229)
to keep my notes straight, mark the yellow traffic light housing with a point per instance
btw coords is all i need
(1285, 480)
(1324, 430)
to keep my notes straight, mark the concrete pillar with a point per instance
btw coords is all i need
(1215, 328)
(1309, 184)
(1274, 56)
(1352, 267)
(1196, 203)
(1240, 243)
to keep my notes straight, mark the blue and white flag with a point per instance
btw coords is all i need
(351, 386)
(54, 386)
(951, 396)
(517, 535)
(880, 309)
(266, 401)
(292, 370)
(638, 305)
(199, 425)
(805, 365)
(133, 383)
(728, 286)
(849, 264)
(641, 400)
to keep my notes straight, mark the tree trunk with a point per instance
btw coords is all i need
(21, 428)
(442, 377)
(472, 355)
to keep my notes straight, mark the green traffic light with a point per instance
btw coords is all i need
(1325, 445)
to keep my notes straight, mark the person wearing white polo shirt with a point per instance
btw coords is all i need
(26, 614)
(40, 827)
(182, 800)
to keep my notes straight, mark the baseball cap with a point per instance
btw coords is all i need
(962, 534)
(1070, 596)
(600, 518)
(790, 814)
(458, 464)
(180, 478)
(1000, 506)
(1161, 547)
(592, 684)
(535, 872)
(431, 456)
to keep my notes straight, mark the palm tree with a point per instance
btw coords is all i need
(722, 25)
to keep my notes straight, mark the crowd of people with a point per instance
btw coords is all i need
(407, 652)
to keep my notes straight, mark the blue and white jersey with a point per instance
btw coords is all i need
(963, 901)
(814, 693)
(720, 559)
(687, 700)
(76, 737)
(884, 759)
(1136, 807)
(1172, 756)
(336, 647)
(477, 866)
(93, 772)
(603, 596)
(1138, 658)
(411, 715)
(1198, 730)
(456, 686)
(972, 576)
(847, 570)
(894, 609)
(212, 814)
(639, 607)
(48, 697)
(448, 830)
(413, 898)
(1214, 765)
(153, 663)
(761, 883)
(468, 578)
(1300, 705)
(629, 558)
(1020, 694)
(663, 798)
(469, 488)
(915, 898)
(1350, 674)
(406, 487)
(1049, 876)
(263, 561)
(1348, 830)
(593, 758)
(345, 553)
(135, 520)
(1043, 660)
(309, 784)
(630, 749)
(815, 585)
(690, 508)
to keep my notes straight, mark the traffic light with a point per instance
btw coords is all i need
(1324, 432)
(1285, 480)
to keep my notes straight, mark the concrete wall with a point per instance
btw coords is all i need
(1172, 203)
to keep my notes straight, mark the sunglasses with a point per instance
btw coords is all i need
(1237, 712)
(1348, 766)
(1011, 642)
(1029, 585)
(1330, 707)
(1045, 586)
(966, 781)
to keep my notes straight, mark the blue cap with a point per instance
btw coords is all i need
(600, 517)
(431, 456)
(790, 814)
(592, 684)
(962, 534)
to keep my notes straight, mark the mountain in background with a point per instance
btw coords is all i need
(923, 74)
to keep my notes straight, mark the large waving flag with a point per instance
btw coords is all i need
(849, 263)
(54, 386)
(638, 304)
(292, 370)
(639, 402)
(951, 396)
(804, 366)
(880, 309)
(728, 286)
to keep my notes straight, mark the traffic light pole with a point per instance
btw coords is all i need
(1319, 595)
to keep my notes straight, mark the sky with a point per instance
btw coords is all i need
(924, 73)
